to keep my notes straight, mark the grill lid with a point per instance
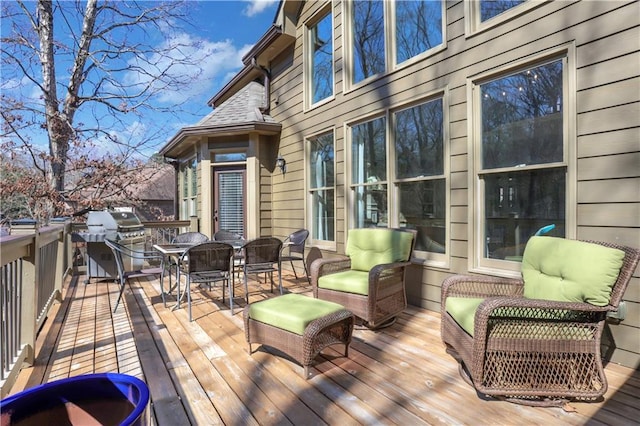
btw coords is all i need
(113, 221)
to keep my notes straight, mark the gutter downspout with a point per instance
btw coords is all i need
(267, 85)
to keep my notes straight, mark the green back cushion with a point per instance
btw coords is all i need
(348, 281)
(291, 312)
(569, 271)
(368, 247)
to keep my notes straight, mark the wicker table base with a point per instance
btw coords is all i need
(335, 328)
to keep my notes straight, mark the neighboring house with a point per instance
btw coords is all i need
(156, 191)
(474, 122)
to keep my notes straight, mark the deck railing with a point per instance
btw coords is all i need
(34, 262)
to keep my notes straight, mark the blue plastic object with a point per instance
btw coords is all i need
(109, 398)
(545, 229)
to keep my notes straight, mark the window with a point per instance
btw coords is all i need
(522, 165)
(368, 39)
(491, 8)
(382, 34)
(418, 27)
(320, 42)
(322, 187)
(189, 186)
(419, 152)
(485, 14)
(369, 173)
(401, 182)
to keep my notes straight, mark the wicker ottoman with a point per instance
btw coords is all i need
(298, 325)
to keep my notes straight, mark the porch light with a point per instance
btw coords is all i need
(281, 163)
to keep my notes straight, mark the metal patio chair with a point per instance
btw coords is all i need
(293, 250)
(120, 250)
(262, 255)
(206, 263)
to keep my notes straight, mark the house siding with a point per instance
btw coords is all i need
(604, 37)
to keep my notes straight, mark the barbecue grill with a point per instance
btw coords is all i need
(123, 227)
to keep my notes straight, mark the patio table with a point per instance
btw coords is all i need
(175, 251)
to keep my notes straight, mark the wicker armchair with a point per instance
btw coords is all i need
(369, 281)
(528, 350)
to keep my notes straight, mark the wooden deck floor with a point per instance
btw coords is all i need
(201, 373)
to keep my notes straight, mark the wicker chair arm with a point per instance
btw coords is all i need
(385, 276)
(492, 304)
(322, 267)
(480, 286)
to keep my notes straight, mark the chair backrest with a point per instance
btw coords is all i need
(209, 256)
(117, 250)
(190, 237)
(262, 250)
(368, 247)
(223, 235)
(577, 271)
(297, 241)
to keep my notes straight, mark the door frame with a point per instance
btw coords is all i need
(220, 169)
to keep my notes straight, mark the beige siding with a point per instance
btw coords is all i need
(606, 39)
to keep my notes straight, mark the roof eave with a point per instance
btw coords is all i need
(185, 133)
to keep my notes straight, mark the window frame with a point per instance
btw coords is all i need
(473, 25)
(431, 258)
(391, 35)
(477, 261)
(390, 48)
(309, 192)
(317, 17)
(188, 180)
(438, 260)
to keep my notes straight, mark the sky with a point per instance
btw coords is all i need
(224, 31)
(230, 29)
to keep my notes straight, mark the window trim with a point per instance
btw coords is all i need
(477, 263)
(391, 36)
(390, 48)
(347, 45)
(313, 242)
(307, 54)
(436, 260)
(473, 26)
(191, 200)
(440, 260)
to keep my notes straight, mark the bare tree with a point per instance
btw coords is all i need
(96, 68)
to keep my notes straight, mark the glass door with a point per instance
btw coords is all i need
(229, 209)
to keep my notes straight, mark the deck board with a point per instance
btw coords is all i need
(201, 372)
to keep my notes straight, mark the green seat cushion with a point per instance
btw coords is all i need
(542, 327)
(569, 271)
(350, 281)
(291, 312)
(463, 310)
(368, 247)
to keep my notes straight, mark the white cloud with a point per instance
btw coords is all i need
(256, 7)
(198, 62)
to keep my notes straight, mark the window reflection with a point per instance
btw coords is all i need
(322, 59)
(418, 27)
(321, 187)
(522, 118)
(517, 204)
(368, 38)
(522, 126)
(491, 8)
(419, 142)
(369, 173)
